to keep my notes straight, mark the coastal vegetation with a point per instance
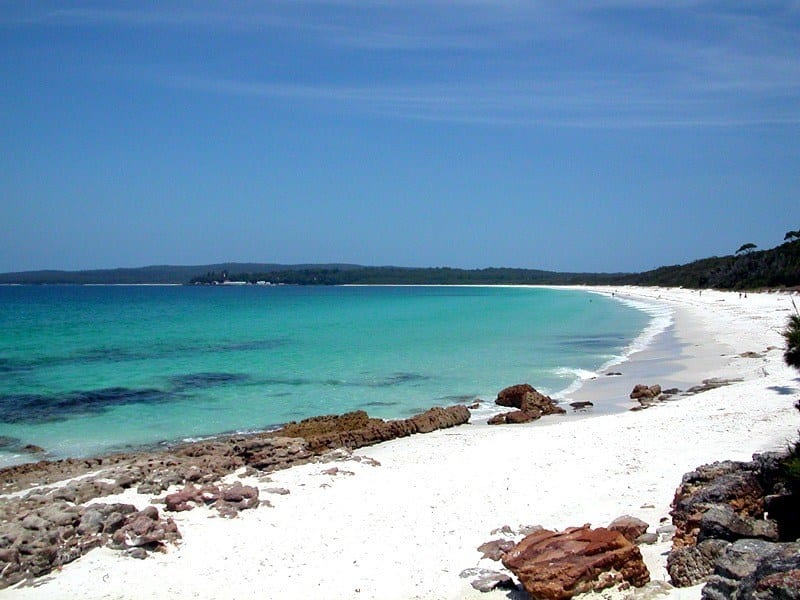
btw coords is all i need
(792, 357)
(747, 269)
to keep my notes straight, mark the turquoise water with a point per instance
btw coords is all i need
(85, 370)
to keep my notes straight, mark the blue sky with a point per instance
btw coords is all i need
(566, 135)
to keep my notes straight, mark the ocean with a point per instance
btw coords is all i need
(93, 369)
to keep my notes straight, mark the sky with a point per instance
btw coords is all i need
(571, 135)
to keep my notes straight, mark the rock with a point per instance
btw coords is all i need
(756, 569)
(278, 491)
(529, 529)
(35, 522)
(488, 580)
(733, 483)
(355, 430)
(574, 561)
(581, 405)
(33, 449)
(91, 522)
(645, 392)
(495, 549)
(474, 406)
(629, 526)
(666, 532)
(139, 553)
(524, 397)
(691, 565)
(60, 528)
(493, 580)
(721, 522)
(505, 530)
(522, 416)
(499, 419)
(646, 538)
(60, 514)
(709, 384)
(145, 528)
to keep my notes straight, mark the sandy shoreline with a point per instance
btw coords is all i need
(408, 527)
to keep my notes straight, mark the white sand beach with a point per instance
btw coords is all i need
(403, 519)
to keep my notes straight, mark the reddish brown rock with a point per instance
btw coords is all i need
(645, 392)
(525, 398)
(734, 484)
(556, 565)
(629, 526)
(355, 430)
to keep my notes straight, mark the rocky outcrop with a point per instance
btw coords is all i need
(690, 565)
(735, 528)
(756, 569)
(557, 565)
(530, 405)
(355, 430)
(208, 461)
(49, 527)
(729, 483)
(48, 535)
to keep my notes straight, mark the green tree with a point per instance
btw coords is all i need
(792, 336)
(791, 235)
(791, 466)
(746, 248)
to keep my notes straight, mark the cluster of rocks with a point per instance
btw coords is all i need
(737, 528)
(530, 405)
(47, 534)
(562, 564)
(49, 527)
(227, 500)
(649, 395)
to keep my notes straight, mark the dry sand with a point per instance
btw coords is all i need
(403, 519)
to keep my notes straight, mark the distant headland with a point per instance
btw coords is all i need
(748, 268)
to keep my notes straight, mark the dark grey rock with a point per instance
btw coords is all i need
(721, 522)
(741, 558)
(646, 538)
(139, 553)
(756, 569)
(694, 564)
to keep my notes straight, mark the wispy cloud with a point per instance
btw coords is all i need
(590, 101)
(616, 63)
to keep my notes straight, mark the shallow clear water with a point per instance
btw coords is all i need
(91, 369)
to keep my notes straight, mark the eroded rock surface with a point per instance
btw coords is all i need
(51, 526)
(47, 535)
(558, 565)
(735, 528)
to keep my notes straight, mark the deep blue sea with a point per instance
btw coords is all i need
(86, 370)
